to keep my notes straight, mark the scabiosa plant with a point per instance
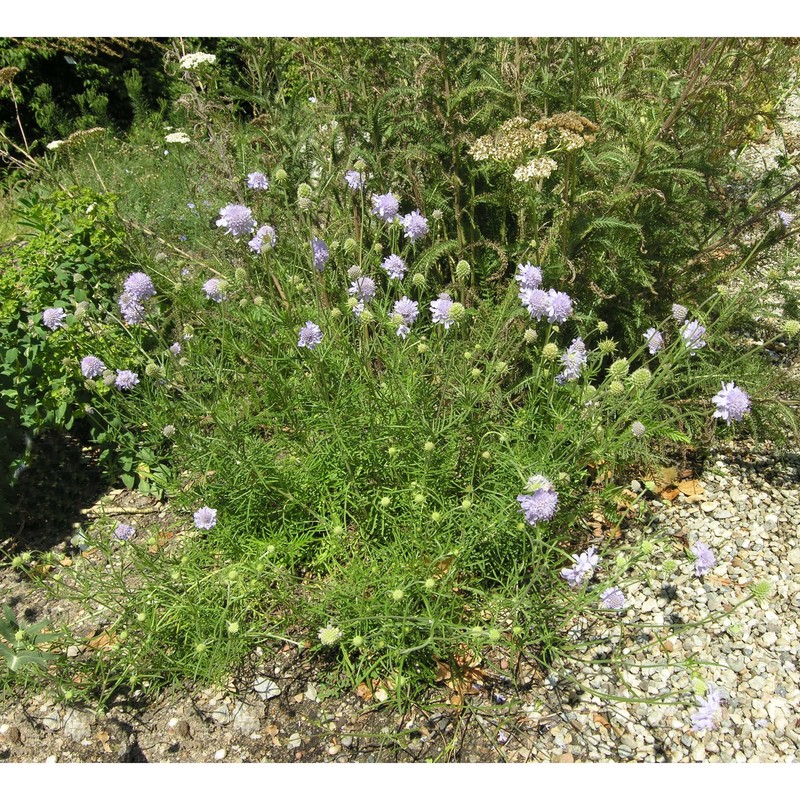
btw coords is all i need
(407, 309)
(321, 253)
(53, 318)
(573, 360)
(612, 598)
(732, 403)
(395, 267)
(354, 179)
(258, 180)
(679, 312)
(139, 286)
(581, 569)
(175, 348)
(692, 333)
(126, 379)
(654, 339)
(385, 206)
(215, 289)
(264, 239)
(705, 558)
(131, 309)
(559, 306)
(415, 226)
(536, 301)
(310, 336)
(92, 367)
(786, 218)
(237, 220)
(205, 518)
(706, 717)
(440, 309)
(363, 288)
(637, 429)
(329, 635)
(125, 532)
(542, 503)
(528, 275)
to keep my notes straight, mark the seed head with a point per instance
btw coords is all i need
(350, 246)
(791, 327)
(530, 336)
(602, 326)
(607, 346)
(761, 590)
(641, 378)
(463, 270)
(397, 595)
(419, 280)
(280, 176)
(550, 351)
(619, 369)
(616, 388)
(329, 635)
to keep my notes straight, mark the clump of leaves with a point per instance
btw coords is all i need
(24, 645)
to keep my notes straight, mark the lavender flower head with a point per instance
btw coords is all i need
(612, 598)
(53, 318)
(139, 286)
(440, 309)
(415, 226)
(131, 309)
(536, 301)
(264, 239)
(310, 336)
(363, 288)
(573, 360)
(732, 403)
(407, 309)
(679, 312)
(125, 532)
(175, 348)
(205, 518)
(705, 558)
(529, 276)
(786, 218)
(126, 379)
(637, 429)
(385, 206)
(92, 367)
(654, 339)
(321, 253)
(582, 567)
(559, 306)
(354, 179)
(214, 289)
(258, 180)
(395, 267)
(237, 219)
(542, 503)
(706, 717)
(692, 333)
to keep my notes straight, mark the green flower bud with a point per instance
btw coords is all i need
(233, 628)
(607, 346)
(377, 248)
(463, 270)
(200, 647)
(419, 280)
(258, 300)
(436, 516)
(366, 317)
(304, 190)
(392, 451)
(397, 595)
(486, 455)
(422, 347)
(141, 617)
(359, 165)
(430, 583)
(619, 369)
(336, 313)
(476, 373)
(280, 176)
(338, 530)
(616, 388)
(457, 312)
(466, 504)
(419, 499)
(350, 246)
(428, 446)
(385, 502)
(761, 590)
(550, 351)
(357, 642)
(602, 327)
(641, 378)
(494, 635)
(240, 274)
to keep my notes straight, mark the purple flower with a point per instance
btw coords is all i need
(191, 205)
(395, 267)
(385, 206)
(126, 379)
(92, 367)
(542, 503)
(310, 336)
(786, 218)
(732, 403)
(536, 301)
(264, 239)
(132, 310)
(53, 318)
(705, 718)
(214, 289)
(559, 306)
(440, 309)
(582, 567)
(679, 312)
(403, 331)
(692, 333)
(125, 532)
(612, 598)
(407, 309)
(139, 286)
(363, 288)
(257, 180)
(705, 558)
(321, 253)
(205, 518)
(415, 226)
(637, 429)
(175, 348)
(655, 341)
(573, 360)
(238, 220)
(529, 276)
(354, 179)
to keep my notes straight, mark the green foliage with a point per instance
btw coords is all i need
(22, 645)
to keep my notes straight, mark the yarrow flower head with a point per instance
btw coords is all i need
(573, 360)
(193, 60)
(542, 503)
(654, 339)
(321, 253)
(92, 367)
(125, 532)
(705, 558)
(177, 137)
(237, 219)
(385, 206)
(395, 267)
(692, 333)
(707, 715)
(679, 312)
(139, 286)
(215, 289)
(363, 288)
(354, 179)
(612, 598)
(732, 403)
(528, 275)
(415, 226)
(310, 336)
(205, 518)
(257, 180)
(53, 318)
(126, 379)
(581, 569)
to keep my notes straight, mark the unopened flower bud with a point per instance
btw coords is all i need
(616, 388)
(607, 346)
(280, 176)
(641, 378)
(463, 270)
(619, 369)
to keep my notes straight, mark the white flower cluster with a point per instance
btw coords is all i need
(535, 169)
(179, 137)
(194, 60)
(54, 145)
(510, 142)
